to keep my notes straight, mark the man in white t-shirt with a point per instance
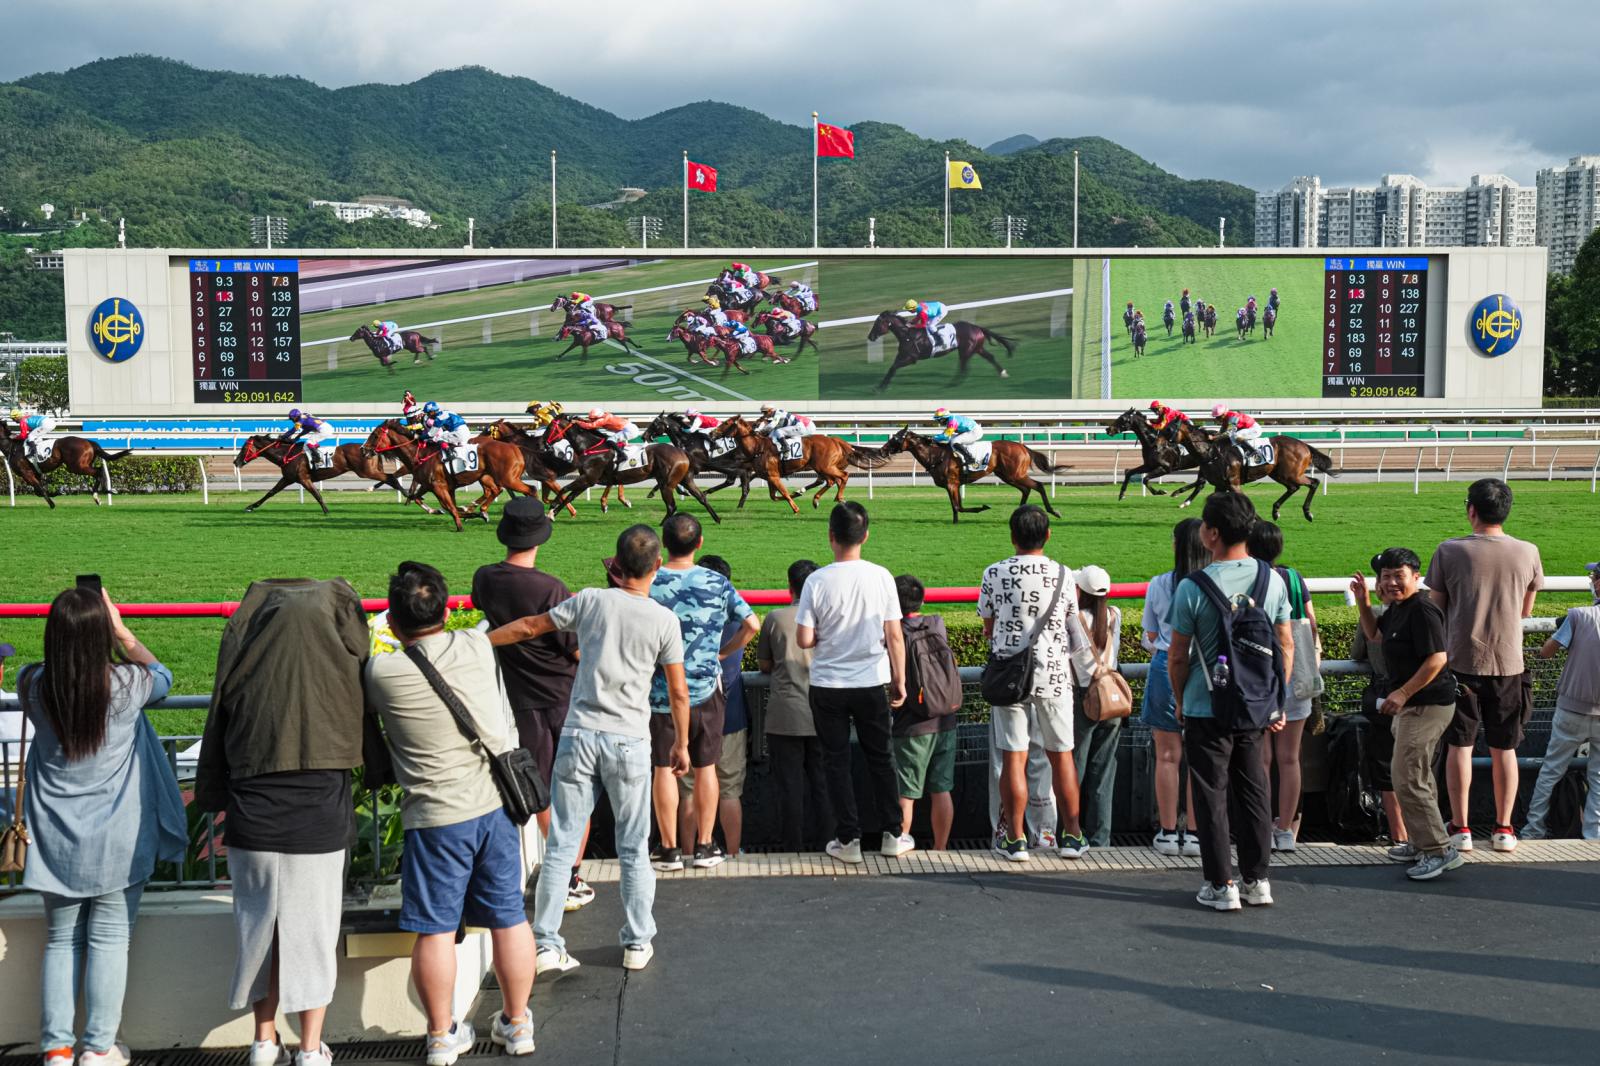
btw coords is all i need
(849, 614)
(1016, 594)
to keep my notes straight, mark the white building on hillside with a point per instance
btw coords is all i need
(1401, 211)
(377, 207)
(1569, 208)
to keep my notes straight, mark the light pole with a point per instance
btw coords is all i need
(1074, 197)
(1011, 226)
(644, 227)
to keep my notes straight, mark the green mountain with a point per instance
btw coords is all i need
(188, 155)
(1017, 142)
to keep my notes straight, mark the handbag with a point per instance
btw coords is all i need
(1306, 674)
(516, 775)
(14, 840)
(1108, 696)
(1007, 680)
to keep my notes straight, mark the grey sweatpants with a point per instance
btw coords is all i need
(300, 898)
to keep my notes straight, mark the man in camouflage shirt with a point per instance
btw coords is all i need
(705, 603)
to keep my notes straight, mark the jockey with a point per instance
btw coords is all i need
(1241, 430)
(802, 292)
(33, 429)
(616, 430)
(1272, 300)
(307, 427)
(745, 275)
(1183, 301)
(926, 316)
(693, 421)
(714, 312)
(787, 321)
(781, 426)
(1167, 418)
(741, 333)
(410, 409)
(543, 414)
(959, 431)
(1250, 304)
(1167, 310)
(590, 323)
(445, 428)
(582, 301)
(389, 332)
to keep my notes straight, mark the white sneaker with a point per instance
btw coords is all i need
(1282, 839)
(896, 846)
(1167, 843)
(637, 956)
(1460, 837)
(516, 1037)
(850, 853)
(116, 1056)
(554, 962)
(1257, 893)
(323, 1056)
(1190, 848)
(446, 1048)
(1218, 897)
(269, 1053)
(1504, 839)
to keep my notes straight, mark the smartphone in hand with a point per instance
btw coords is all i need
(89, 581)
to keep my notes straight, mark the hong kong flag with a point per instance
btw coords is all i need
(699, 176)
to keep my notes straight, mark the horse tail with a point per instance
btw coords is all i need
(867, 458)
(622, 307)
(1322, 462)
(1041, 462)
(109, 457)
(1005, 342)
(428, 340)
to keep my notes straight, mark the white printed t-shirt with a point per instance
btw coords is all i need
(847, 605)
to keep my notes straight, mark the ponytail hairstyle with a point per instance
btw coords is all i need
(1188, 550)
(73, 685)
(1100, 628)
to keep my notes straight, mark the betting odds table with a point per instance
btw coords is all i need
(245, 321)
(1374, 323)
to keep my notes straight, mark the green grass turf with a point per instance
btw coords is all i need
(163, 548)
(1222, 366)
(1041, 367)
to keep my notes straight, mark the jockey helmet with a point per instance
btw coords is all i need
(911, 305)
(597, 412)
(739, 266)
(377, 323)
(1219, 410)
(16, 413)
(768, 408)
(1185, 290)
(1157, 405)
(711, 302)
(576, 296)
(533, 408)
(692, 413)
(942, 413)
(431, 407)
(1130, 303)
(294, 413)
(408, 397)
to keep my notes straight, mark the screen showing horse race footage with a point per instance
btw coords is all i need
(791, 328)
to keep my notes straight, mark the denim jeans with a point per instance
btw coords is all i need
(1568, 733)
(1094, 750)
(86, 950)
(586, 760)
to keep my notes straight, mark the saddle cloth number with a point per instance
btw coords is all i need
(463, 459)
(945, 338)
(720, 447)
(1262, 453)
(790, 448)
(633, 456)
(980, 455)
(562, 450)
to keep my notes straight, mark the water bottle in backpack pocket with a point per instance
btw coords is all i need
(1246, 681)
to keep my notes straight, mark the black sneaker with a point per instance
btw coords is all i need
(666, 860)
(708, 855)
(1015, 850)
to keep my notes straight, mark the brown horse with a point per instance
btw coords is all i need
(1160, 454)
(971, 340)
(664, 464)
(829, 458)
(501, 466)
(792, 304)
(1009, 460)
(558, 461)
(1222, 466)
(410, 341)
(603, 311)
(24, 467)
(583, 340)
(807, 334)
(292, 462)
(731, 465)
(77, 455)
(698, 345)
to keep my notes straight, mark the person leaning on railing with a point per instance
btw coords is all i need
(103, 805)
(1577, 717)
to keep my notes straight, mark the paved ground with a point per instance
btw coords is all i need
(1495, 963)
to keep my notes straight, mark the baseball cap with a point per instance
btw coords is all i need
(1094, 580)
(7, 651)
(524, 523)
(613, 572)
(1593, 568)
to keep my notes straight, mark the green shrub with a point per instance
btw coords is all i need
(135, 474)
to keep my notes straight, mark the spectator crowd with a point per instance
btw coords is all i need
(634, 691)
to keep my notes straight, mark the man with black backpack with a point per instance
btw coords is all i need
(1229, 664)
(925, 724)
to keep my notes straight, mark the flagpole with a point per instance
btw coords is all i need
(552, 198)
(946, 184)
(814, 179)
(686, 197)
(1074, 197)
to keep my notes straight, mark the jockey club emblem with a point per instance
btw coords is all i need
(968, 175)
(116, 329)
(1496, 324)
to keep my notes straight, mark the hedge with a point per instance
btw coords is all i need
(133, 474)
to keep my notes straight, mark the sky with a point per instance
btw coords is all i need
(1252, 92)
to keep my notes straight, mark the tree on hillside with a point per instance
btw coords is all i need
(1572, 327)
(32, 302)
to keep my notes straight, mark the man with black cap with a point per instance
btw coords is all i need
(539, 672)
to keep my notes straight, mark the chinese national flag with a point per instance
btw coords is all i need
(835, 141)
(699, 176)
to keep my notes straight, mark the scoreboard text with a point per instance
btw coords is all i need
(245, 319)
(1374, 323)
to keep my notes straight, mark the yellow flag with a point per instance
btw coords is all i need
(962, 176)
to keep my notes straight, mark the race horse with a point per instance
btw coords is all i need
(410, 341)
(791, 303)
(806, 335)
(765, 345)
(77, 455)
(1140, 337)
(1238, 323)
(584, 339)
(1269, 319)
(1127, 319)
(1159, 454)
(295, 468)
(1222, 467)
(733, 465)
(1250, 317)
(971, 340)
(1009, 460)
(595, 464)
(539, 457)
(736, 298)
(1188, 327)
(24, 468)
(1168, 319)
(700, 346)
(829, 458)
(1211, 320)
(501, 466)
(603, 311)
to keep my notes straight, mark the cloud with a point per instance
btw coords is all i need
(1253, 92)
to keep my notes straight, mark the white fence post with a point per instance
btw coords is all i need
(205, 483)
(106, 469)
(11, 487)
(1416, 475)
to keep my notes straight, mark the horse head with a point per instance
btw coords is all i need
(255, 446)
(899, 441)
(560, 303)
(363, 332)
(1126, 422)
(886, 322)
(733, 426)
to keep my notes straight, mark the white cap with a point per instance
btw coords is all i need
(1094, 580)
(597, 412)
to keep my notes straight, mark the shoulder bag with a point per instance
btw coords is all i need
(522, 788)
(1108, 695)
(14, 840)
(1007, 680)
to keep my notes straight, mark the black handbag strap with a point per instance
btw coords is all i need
(445, 692)
(1044, 619)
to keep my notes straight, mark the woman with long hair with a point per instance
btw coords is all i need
(1188, 554)
(1094, 744)
(103, 805)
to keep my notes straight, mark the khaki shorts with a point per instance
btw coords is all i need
(1048, 721)
(730, 767)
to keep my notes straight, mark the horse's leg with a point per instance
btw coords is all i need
(775, 481)
(283, 482)
(568, 348)
(1127, 477)
(309, 483)
(744, 488)
(688, 485)
(622, 496)
(1281, 500)
(1194, 490)
(444, 492)
(900, 360)
(1044, 497)
(1312, 484)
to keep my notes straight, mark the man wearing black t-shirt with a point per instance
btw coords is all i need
(538, 673)
(1422, 701)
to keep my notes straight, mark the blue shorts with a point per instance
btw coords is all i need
(1159, 706)
(469, 873)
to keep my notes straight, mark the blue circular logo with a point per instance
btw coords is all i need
(1496, 324)
(116, 329)
(968, 175)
